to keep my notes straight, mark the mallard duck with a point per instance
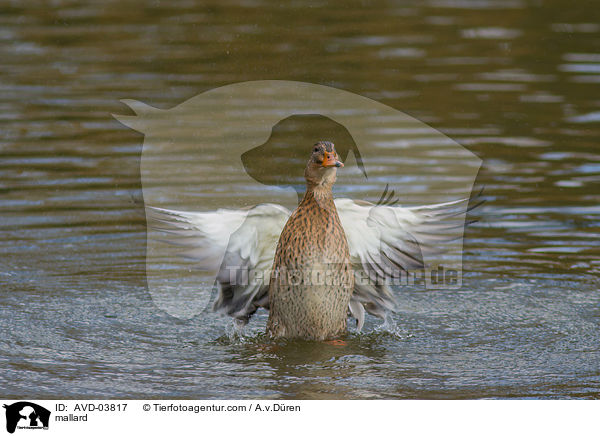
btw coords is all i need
(268, 257)
(312, 280)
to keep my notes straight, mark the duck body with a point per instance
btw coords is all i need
(301, 265)
(312, 278)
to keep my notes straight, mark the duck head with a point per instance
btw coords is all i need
(323, 164)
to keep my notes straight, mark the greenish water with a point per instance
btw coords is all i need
(515, 82)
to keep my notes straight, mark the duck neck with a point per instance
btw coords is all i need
(320, 193)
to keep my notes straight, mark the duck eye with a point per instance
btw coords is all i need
(316, 149)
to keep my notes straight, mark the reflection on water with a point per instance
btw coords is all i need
(514, 82)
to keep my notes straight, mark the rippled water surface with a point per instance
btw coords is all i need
(515, 82)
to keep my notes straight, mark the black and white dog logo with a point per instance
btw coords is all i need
(26, 415)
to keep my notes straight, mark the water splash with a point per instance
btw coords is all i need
(391, 328)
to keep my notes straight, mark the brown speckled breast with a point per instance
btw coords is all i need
(312, 278)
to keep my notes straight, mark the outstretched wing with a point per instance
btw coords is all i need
(385, 240)
(239, 245)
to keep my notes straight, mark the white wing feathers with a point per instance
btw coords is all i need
(246, 268)
(205, 235)
(239, 245)
(385, 241)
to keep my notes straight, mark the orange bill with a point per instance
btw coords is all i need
(330, 160)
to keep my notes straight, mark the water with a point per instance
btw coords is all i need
(514, 82)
